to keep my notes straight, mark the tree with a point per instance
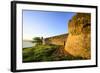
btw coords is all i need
(37, 40)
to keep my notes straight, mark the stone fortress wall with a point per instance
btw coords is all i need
(78, 40)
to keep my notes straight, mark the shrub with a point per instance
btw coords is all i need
(39, 53)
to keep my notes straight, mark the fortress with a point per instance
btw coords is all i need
(78, 40)
(57, 40)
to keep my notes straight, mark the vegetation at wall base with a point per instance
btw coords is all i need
(42, 53)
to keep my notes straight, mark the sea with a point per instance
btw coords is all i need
(28, 43)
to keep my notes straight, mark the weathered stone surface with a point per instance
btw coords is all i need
(56, 40)
(78, 42)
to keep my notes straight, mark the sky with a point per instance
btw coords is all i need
(45, 23)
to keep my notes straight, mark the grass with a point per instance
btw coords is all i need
(40, 53)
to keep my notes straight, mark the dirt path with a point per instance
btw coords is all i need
(61, 52)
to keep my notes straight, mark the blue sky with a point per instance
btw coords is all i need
(45, 23)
